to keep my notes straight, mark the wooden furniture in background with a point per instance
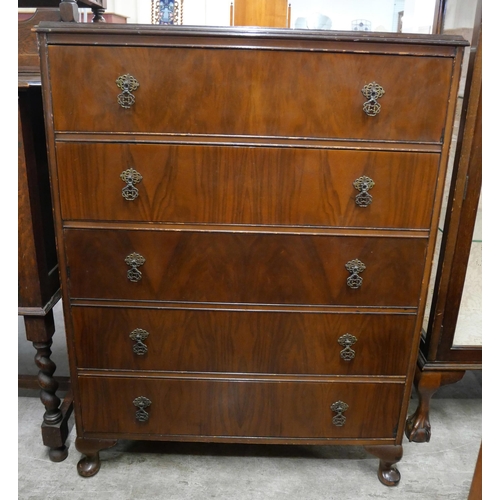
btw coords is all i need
(265, 13)
(242, 258)
(68, 9)
(38, 274)
(441, 361)
(38, 277)
(476, 487)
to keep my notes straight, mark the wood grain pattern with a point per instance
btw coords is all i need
(261, 13)
(199, 407)
(476, 488)
(248, 142)
(246, 185)
(28, 59)
(210, 93)
(38, 279)
(244, 268)
(242, 342)
(29, 286)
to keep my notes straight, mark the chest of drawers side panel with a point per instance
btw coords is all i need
(46, 87)
(440, 187)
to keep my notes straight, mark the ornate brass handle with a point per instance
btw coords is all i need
(363, 184)
(130, 177)
(355, 267)
(339, 408)
(128, 84)
(346, 341)
(134, 260)
(139, 335)
(141, 414)
(372, 92)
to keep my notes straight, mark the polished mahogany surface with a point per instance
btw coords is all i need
(246, 230)
(244, 267)
(302, 186)
(291, 93)
(242, 341)
(262, 408)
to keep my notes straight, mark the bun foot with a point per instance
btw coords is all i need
(389, 476)
(90, 463)
(58, 454)
(388, 455)
(89, 466)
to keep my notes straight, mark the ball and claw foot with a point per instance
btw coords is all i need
(418, 425)
(418, 428)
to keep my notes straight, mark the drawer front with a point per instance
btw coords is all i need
(246, 408)
(224, 185)
(197, 266)
(242, 342)
(249, 92)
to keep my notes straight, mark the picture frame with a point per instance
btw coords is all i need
(167, 12)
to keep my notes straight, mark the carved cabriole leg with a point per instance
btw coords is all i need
(69, 11)
(39, 331)
(388, 455)
(418, 426)
(90, 463)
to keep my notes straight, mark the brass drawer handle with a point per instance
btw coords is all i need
(339, 408)
(355, 267)
(346, 341)
(138, 336)
(134, 260)
(141, 414)
(128, 84)
(363, 184)
(131, 177)
(372, 91)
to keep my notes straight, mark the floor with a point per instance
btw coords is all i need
(438, 470)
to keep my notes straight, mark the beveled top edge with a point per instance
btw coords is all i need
(248, 32)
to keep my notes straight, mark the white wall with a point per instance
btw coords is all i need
(342, 12)
(418, 16)
(137, 11)
(207, 12)
(383, 14)
(195, 12)
(459, 14)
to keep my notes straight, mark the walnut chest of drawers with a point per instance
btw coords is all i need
(245, 222)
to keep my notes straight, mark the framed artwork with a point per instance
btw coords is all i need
(166, 11)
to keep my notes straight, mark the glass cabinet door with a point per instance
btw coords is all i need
(468, 331)
(454, 306)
